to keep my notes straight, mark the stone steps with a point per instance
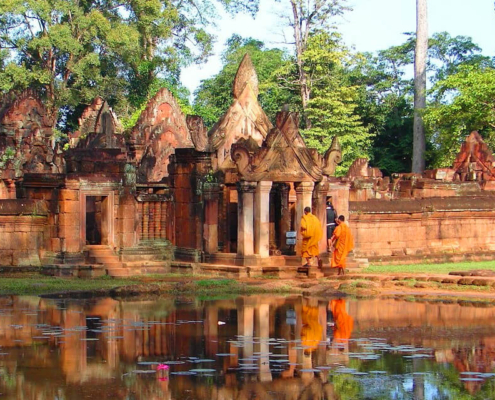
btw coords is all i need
(106, 256)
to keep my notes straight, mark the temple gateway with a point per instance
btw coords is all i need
(170, 195)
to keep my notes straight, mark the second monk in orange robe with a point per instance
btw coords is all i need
(344, 244)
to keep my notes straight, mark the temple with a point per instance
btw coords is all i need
(170, 195)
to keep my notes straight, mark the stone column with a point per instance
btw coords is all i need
(262, 219)
(263, 312)
(210, 230)
(339, 191)
(245, 218)
(304, 195)
(319, 209)
(285, 216)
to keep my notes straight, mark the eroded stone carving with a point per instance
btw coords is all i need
(283, 157)
(26, 136)
(99, 127)
(332, 158)
(160, 130)
(475, 161)
(199, 134)
(244, 120)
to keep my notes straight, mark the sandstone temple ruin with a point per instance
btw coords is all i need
(170, 194)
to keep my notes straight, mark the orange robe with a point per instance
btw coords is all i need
(343, 321)
(311, 331)
(345, 243)
(311, 234)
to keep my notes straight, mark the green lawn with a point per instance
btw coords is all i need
(24, 284)
(430, 268)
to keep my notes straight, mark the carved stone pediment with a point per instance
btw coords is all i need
(160, 130)
(26, 135)
(245, 119)
(99, 128)
(475, 161)
(284, 156)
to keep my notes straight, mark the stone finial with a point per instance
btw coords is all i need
(332, 157)
(475, 160)
(199, 134)
(244, 120)
(359, 168)
(246, 75)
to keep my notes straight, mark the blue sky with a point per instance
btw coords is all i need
(372, 25)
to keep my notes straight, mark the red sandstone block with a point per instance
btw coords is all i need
(69, 220)
(129, 225)
(8, 241)
(6, 258)
(55, 245)
(20, 241)
(87, 166)
(70, 207)
(73, 243)
(113, 168)
(128, 239)
(22, 226)
(67, 194)
(66, 231)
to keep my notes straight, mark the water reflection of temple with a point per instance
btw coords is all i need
(94, 346)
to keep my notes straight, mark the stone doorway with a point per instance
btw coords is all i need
(97, 220)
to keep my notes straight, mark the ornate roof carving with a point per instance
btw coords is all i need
(475, 161)
(160, 130)
(99, 128)
(26, 129)
(284, 156)
(245, 119)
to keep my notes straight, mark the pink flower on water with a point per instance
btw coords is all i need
(162, 367)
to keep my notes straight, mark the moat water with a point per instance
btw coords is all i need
(257, 347)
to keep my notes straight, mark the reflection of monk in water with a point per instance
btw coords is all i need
(344, 323)
(311, 331)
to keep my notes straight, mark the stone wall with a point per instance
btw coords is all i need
(24, 230)
(423, 228)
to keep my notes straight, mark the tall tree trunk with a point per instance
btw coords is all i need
(418, 163)
(300, 41)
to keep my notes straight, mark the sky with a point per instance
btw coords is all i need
(372, 25)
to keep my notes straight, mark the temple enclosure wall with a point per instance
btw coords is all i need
(24, 230)
(411, 230)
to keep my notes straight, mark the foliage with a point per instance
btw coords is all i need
(385, 106)
(464, 102)
(73, 50)
(214, 95)
(332, 106)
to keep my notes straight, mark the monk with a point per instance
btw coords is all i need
(311, 233)
(343, 321)
(344, 243)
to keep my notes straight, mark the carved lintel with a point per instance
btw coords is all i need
(246, 187)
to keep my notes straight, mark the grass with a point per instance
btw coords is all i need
(34, 284)
(430, 268)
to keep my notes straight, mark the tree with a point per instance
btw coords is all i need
(465, 101)
(73, 50)
(385, 105)
(421, 49)
(308, 17)
(331, 109)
